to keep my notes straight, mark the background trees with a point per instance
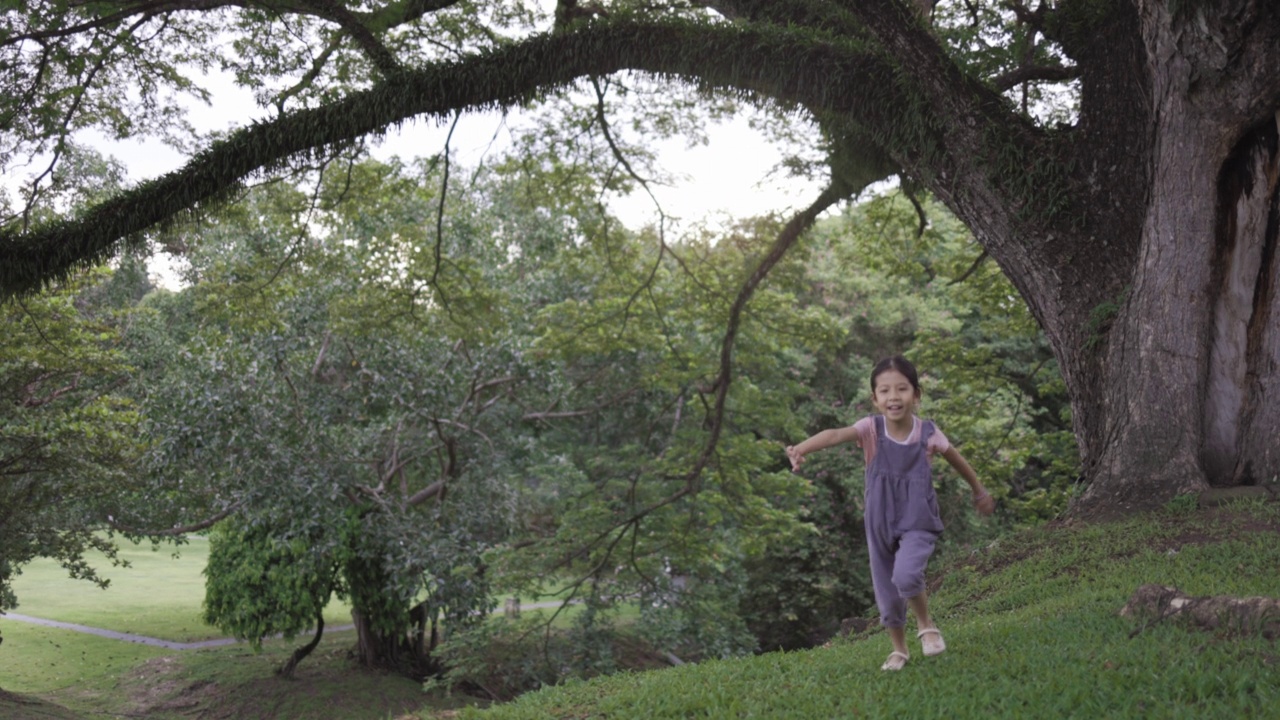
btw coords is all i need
(528, 421)
(1114, 160)
(414, 394)
(360, 431)
(67, 433)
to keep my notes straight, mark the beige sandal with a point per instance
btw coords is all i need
(896, 661)
(931, 641)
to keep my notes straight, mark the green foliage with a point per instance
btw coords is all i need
(349, 395)
(68, 439)
(261, 583)
(508, 656)
(988, 375)
(803, 586)
(1101, 317)
(640, 330)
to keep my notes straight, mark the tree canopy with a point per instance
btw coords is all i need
(1115, 159)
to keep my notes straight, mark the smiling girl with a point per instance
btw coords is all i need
(901, 508)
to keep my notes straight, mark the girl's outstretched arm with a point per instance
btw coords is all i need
(982, 499)
(824, 439)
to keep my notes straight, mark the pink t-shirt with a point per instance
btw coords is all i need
(866, 431)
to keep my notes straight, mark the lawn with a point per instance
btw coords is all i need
(158, 594)
(1031, 621)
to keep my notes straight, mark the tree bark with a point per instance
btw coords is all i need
(287, 670)
(1190, 366)
(373, 648)
(1155, 284)
(1247, 616)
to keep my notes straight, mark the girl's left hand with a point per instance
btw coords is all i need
(795, 457)
(984, 503)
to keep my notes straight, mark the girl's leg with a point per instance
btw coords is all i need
(893, 608)
(908, 577)
(920, 608)
(914, 549)
(930, 636)
(897, 658)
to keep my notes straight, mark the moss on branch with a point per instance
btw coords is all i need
(793, 65)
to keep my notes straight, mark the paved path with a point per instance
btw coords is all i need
(140, 639)
(157, 642)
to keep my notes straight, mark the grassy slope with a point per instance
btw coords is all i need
(1033, 631)
(1031, 624)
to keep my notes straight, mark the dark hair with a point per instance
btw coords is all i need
(902, 365)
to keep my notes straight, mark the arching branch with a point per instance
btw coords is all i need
(373, 48)
(1032, 73)
(497, 78)
(179, 529)
(380, 20)
(780, 63)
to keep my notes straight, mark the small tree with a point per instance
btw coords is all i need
(262, 583)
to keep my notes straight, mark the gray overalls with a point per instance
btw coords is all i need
(901, 518)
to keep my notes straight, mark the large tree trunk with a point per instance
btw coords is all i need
(1156, 284)
(1189, 370)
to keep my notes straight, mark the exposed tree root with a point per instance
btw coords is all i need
(1219, 613)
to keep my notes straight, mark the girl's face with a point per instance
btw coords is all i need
(894, 395)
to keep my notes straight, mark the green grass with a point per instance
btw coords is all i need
(44, 661)
(1033, 630)
(1031, 623)
(158, 595)
(91, 677)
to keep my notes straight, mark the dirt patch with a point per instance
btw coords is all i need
(25, 707)
(331, 689)
(329, 685)
(635, 655)
(1215, 525)
(1005, 552)
(159, 688)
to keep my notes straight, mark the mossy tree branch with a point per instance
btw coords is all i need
(375, 21)
(786, 64)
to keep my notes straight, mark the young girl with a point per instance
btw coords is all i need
(901, 515)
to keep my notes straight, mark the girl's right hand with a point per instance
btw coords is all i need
(795, 457)
(984, 503)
